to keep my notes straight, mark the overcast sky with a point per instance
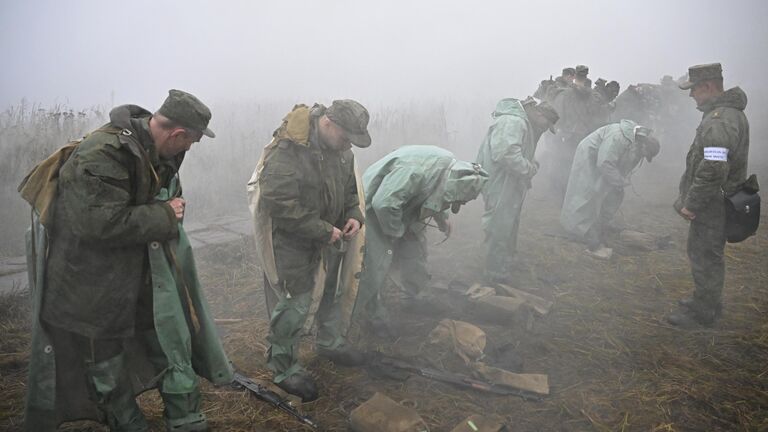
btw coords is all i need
(84, 52)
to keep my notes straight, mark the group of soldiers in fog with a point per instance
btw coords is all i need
(118, 306)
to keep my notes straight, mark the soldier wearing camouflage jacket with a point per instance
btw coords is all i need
(716, 166)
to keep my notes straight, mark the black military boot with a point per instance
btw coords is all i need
(692, 315)
(344, 355)
(300, 385)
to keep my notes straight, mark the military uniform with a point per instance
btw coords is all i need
(108, 295)
(507, 153)
(404, 190)
(305, 189)
(716, 165)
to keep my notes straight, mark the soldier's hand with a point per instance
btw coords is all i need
(335, 235)
(351, 228)
(177, 204)
(687, 214)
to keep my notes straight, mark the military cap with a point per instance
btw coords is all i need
(187, 110)
(568, 71)
(549, 113)
(351, 116)
(703, 72)
(582, 70)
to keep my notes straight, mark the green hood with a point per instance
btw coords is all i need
(464, 183)
(121, 116)
(509, 106)
(628, 129)
(732, 98)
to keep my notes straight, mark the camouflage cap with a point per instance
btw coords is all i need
(582, 70)
(549, 113)
(703, 72)
(187, 110)
(351, 116)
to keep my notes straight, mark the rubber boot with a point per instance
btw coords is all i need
(182, 412)
(111, 389)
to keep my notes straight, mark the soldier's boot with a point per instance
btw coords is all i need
(692, 314)
(344, 355)
(111, 390)
(182, 412)
(300, 384)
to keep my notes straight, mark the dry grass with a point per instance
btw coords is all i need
(613, 363)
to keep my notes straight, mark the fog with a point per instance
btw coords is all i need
(110, 52)
(430, 72)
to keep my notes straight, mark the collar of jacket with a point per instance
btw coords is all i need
(731, 98)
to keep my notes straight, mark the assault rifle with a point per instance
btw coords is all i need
(272, 398)
(381, 362)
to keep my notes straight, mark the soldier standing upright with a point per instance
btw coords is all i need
(507, 153)
(715, 167)
(304, 193)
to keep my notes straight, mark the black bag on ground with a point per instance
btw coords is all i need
(742, 211)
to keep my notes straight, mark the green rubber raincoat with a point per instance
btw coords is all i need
(403, 191)
(507, 153)
(603, 161)
(57, 390)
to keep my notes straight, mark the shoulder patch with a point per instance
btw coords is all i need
(716, 154)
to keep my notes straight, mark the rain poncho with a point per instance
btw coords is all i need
(595, 191)
(57, 389)
(298, 192)
(507, 153)
(403, 191)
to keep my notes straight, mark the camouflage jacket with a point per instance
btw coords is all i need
(717, 160)
(105, 216)
(307, 188)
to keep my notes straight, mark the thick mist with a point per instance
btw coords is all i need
(430, 72)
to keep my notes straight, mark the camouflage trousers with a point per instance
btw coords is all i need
(706, 245)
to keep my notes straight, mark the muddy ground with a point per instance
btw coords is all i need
(613, 362)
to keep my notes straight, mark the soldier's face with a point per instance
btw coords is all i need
(702, 92)
(334, 136)
(178, 140)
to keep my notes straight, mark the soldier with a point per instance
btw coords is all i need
(550, 88)
(404, 191)
(116, 300)
(581, 112)
(580, 79)
(716, 166)
(507, 153)
(601, 167)
(304, 193)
